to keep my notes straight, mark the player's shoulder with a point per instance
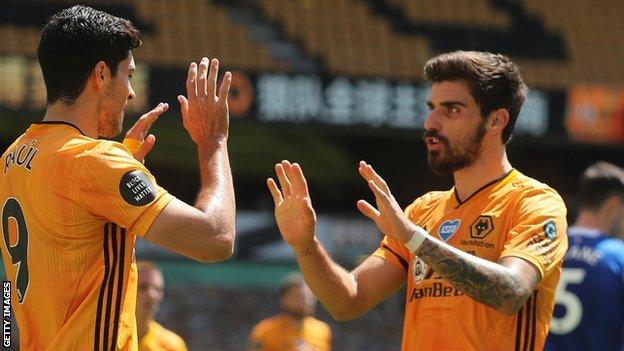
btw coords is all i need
(59, 141)
(525, 188)
(268, 324)
(318, 325)
(97, 149)
(106, 154)
(612, 249)
(166, 336)
(524, 183)
(432, 197)
(428, 200)
(13, 145)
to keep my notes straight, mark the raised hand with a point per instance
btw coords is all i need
(388, 215)
(204, 113)
(294, 213)
(137, 139)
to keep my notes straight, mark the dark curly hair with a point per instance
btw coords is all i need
(73, 41)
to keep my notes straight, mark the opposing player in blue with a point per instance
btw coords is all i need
(589, 310)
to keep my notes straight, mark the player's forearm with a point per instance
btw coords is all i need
(487, 282)
(216, 195)
(335, 288)
(215, 176)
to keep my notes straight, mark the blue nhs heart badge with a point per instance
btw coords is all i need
(448, 229)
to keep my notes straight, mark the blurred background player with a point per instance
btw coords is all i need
(151, 288)
(589, 310)
(294, 329)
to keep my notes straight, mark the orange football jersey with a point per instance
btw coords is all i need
(158, 338)
(514, 216)
(71, 209)
(280, 334)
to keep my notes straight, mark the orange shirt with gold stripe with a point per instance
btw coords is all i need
(158, 338)
(72, 207)
(279, 333)
(514, 216)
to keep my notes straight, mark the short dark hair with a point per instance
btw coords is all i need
(599, 182)
(493, 80)
(73, 41)
(291, 281)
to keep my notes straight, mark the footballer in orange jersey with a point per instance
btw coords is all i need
(72, 205)
(151, 290)
(295, 329)
(482, 260)
(486, 227)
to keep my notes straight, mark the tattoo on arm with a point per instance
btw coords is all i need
(304, 252)
(487, 282)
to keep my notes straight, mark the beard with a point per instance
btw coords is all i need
(111, 114)
(109, 128)
(448, 159)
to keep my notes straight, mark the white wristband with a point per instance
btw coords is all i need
(416, 240)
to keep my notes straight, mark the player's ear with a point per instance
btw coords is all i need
(101, 74)
(611, 206)
(498, 120)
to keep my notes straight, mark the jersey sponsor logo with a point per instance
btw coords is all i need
(550, 229)
(481, 227)
(437, 289)
(419, 270)
(477, 243)
(136, 188)
(436, 285)
(449, 228)
(542, 247)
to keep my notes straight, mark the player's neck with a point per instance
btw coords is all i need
(491, 165)
(81, 114)
(142, 326)
(296, 320)
(591, 220)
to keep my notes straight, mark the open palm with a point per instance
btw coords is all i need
(137, 139)
(205, 112)
(294, 213)
(388, 215)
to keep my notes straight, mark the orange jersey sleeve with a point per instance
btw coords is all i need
(118, 188)
(538, 235)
